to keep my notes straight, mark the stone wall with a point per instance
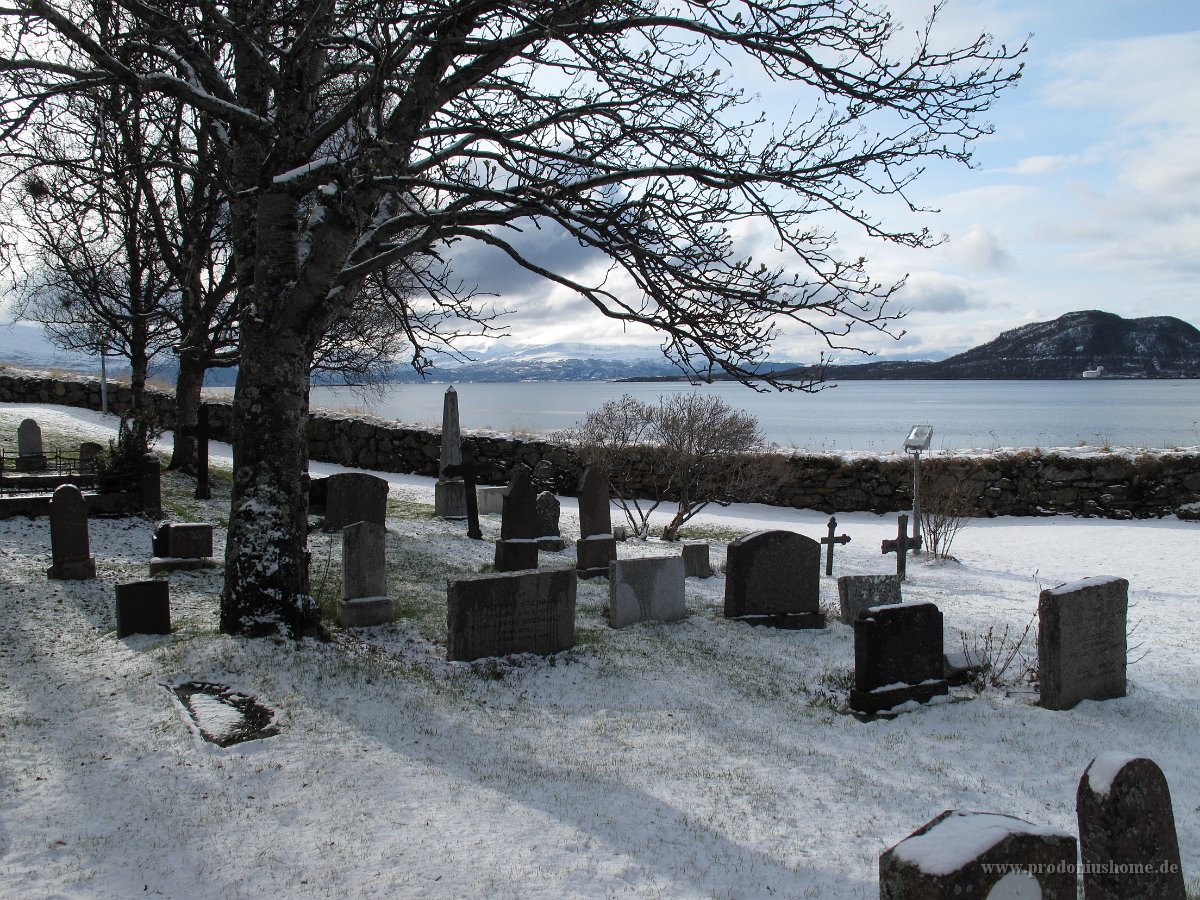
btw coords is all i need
(1025, 483)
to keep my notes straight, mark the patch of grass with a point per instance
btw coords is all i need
(709, 533)
(403, 508)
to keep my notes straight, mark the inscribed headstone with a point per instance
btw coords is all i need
(977, 856)
(525, 612)
(1127, 837)
(859, 592)
(364, 600)
(143, 607)
(1081, 641)
(596, 547)
(695, 561)
(354, 497)
(70, 553)
(774, 578)
(548, 512)
(647, 589)
(30, 456)
(898, 656)
(449, 493)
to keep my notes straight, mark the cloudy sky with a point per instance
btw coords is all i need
(1086, 197)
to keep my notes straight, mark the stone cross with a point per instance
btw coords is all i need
(901, 545)
(468, 470)
(829, 541)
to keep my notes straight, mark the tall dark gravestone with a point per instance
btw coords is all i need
(70, 553)
(596, 547)
(898, 657)
(354, 497)
(1127, 837)
(518, 546)
(450, 492)
(520, 612)
(1082, 641)
(979, 856)
(30, 455)
(774, 578)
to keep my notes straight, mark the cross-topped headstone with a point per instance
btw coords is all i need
(468, 470)
(901, 545)
(829, 541)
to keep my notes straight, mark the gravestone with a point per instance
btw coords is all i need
(830, 541)
(521, 612)
(548, 513)
(645, 590)
(596, 547)
(318, 491)
(90, 454)
(364, 601)
(143, 607)
(150, 485)
(468, 470)
(70, 554)
(1127, 837)
(859, 592)
(518, 545)
(354, 497)
(903, 543)
(695, 561)
(449, 492)
(979, 856)
(774, 578)
(181, 546)
(898, 657)
(30, 456)
(490, 500)
(1081, 641)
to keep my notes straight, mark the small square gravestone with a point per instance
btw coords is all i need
(859, 592)
(70, 553)
(979, 856)
(354, 497)
(645, 590)
(30, 455)
(696, 561)
(1127, 837)
(143, 607)
(898, 657)
(1082, 641)
(364, 602)
(182, 546)
(521, 612)
(490, 499)
(774, 578)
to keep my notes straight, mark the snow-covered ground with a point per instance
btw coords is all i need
(704, 758)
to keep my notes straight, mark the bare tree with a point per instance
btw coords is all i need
(946, 505)
(364, 135)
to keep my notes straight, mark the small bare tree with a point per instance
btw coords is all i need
(690, 449)
(946, 506)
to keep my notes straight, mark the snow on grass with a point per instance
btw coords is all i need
(704, 758)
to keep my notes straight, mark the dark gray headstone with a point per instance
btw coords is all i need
(450, 494)
(1081, 641)
(645, 590)
(354, 497)
(70, 552)
(695, 561)
(548, 512)
(318, 490)
(519, 520)
(1127, 837)
(595, 516)
(183, 540)
(774, 578)
(364, 600)
(90, 454)
(143, 607)
(859, 592)
(979, 856)
(898, 656)
(525, 612)
(594, 555)
(515, 556)
(30, 456)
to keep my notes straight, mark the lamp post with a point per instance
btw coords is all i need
(917, 442)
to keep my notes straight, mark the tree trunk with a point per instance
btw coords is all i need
(266, 559)
(188, 385)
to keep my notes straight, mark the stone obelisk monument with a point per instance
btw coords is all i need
(450, 494)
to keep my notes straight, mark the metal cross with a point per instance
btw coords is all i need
(467, 470)
(901, 545)
(829, 541)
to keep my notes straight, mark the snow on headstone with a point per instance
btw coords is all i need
(1081, 641)
(898, 657)
(1127, 837)
(979, 856)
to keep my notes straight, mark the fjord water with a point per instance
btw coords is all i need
(872, 416)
